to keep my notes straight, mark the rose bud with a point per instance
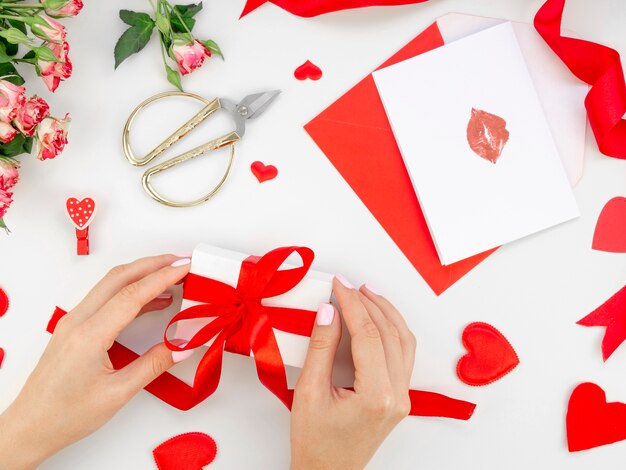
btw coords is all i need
(7, 133)
(62, 8)
(30, 114)
(53, 72)
(8, 171)
(46, 28)
(52, 136)
(188, 54)
(11, 97)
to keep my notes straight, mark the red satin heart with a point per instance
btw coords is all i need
(610, 233)
(308, 70)
(4, 302)
(189, 451)
(80, 212)
(1, 356)
(490, 356)
(263, 172)
(591, 421)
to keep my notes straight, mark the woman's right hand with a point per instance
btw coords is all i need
(338, 428)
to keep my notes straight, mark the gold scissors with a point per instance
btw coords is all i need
(250, 107)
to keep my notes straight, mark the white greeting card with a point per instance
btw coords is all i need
(476, 143)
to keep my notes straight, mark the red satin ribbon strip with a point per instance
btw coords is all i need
(242, 324)
(598, 66)
(309, 8)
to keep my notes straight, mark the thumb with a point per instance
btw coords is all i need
(318, 365)
(150, 365)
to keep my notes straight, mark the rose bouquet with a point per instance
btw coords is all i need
(30, 35)
(179, 46)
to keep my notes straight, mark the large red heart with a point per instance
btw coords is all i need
(189, 451)
(80, 212)
(610, 233)
(591, 421)
(490, 356)
(308, 70)
(263, 172)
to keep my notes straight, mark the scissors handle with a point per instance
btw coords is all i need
(225, 140)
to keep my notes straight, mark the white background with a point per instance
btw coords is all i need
(533, 290)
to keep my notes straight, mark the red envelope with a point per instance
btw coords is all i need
(356, 136)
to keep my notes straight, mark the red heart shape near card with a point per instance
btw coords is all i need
(308, 70)
(591, 421)
(263, 172)
(610, 233)
(4, 302)
(189, 451)
(490, 355)
(80, 212)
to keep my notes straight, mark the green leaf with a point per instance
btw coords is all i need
(15, 147)
(10, 74)
(28, 145)
(213, 47)
(173, 77)
(186, 12)
(4, 57)
(18, 24)
(11, 49)
(3, 225)
(14, 36)
(132, 41)
(133, 18)
(162, 24)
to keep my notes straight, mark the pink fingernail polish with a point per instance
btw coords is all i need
(325, 315)
(344, 281)
(178, 356)
(181, 262)
(164, 297)
(371, 289)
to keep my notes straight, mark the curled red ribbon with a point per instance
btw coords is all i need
(242, 324)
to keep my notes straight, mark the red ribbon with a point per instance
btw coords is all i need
(309, 8)
(242, 324)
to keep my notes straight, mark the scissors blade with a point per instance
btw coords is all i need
(254, 105)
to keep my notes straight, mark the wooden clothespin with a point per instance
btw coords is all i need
(81, 214)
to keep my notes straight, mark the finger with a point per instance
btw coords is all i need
(318, 366)
(108, 322)
(117, 278)
(391, 344)
(160, 302)
(148, 367)
(407, 338)
(368, 355)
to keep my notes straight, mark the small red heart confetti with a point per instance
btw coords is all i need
(591, 421)
(308, 70)
(490, 356)
(610, 233)
(263, 172)
(4, 302)
(80, 212)
(1, 356)
(189, 451)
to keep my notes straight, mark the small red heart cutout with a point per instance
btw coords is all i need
(1, 356)
(308, 70)
(189, 451)
(591, 421)
(263, 172)
(490, 356)
(80, 212)
(610, 233)
(4, 302)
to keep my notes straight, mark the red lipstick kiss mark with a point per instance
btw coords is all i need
(4, 302)
(263, 172)
(487, 134)
(308, 70)
(490, 356)
(189, 451)
(610, 233)
(591, 421)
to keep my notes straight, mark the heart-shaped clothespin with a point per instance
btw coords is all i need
(81, 214)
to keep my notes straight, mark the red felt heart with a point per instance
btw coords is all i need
(610, 234)
(1, 356)
(263, 172)
(490, 356)
(591, 421)
(189, 451)
(4, 302)
(80, 212)
(308, 70)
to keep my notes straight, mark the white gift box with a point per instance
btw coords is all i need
(224, 266)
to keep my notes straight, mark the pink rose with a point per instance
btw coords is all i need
(7, 132)
(47, 29)
(62, 8)
(188, 55)
(5, 199)
(52, 136)
(11, 97)
(30, 114)
(53, 72)
(8, 173)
